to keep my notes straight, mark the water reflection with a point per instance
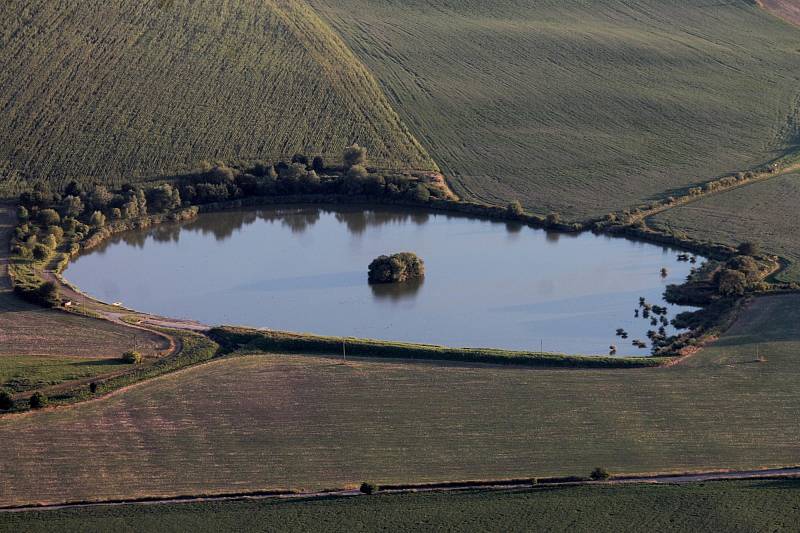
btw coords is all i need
(304, 268)
(395, 292)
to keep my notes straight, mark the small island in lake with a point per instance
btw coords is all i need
(396, 268)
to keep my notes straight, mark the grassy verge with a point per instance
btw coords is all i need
(22, 373)
(233, 338)
(194, 349)
(766, 505)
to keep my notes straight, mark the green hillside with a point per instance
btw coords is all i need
(582, 107)
(117, 90)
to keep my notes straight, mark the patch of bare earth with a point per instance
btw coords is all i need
(786, 9)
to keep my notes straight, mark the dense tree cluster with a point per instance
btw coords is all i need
(219, 183)
(396, 268)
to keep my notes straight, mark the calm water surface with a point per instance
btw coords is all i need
(487, 284)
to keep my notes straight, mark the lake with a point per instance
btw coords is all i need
(304, 269)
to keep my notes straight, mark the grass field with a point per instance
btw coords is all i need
(721, 506)
(261, 421)
(114, 90)
(764, 212)
(25, 373)
(582, 107)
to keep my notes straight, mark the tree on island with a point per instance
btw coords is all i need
(396, 268)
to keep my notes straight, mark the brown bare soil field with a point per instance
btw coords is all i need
(786, 9)
(271, 421)
(26, 329)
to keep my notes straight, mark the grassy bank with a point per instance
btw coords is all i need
(721, 506)
(194, 349)
(305, 422)
(232, 338)
(763, 212)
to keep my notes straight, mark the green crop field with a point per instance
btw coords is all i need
(19, 373)
(272, 421)
(720, 506)
(582, 107)
(765, 213)
(116, 90)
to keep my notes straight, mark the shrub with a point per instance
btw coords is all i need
(49, 217)
(22, 213)
(93, 387)
(163, 198)
(48, 293)
(515, 209)
(301, 159)
(357, 172)
(748, 248)
(132, 357)
(731, 282)
(41, 252)
(553, 219)
(367, 488)
(318, 164)
(396, 268)
(6, 402)
(421, 193)
(599, 474)
(98, 219)
(38, 400)
(72, 206)
(354, 155)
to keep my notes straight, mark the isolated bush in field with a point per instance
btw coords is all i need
(367, 488)
(132, 357)
(38, 400)
(731, 282)
(22, 213)
(396, 268)
(93, 387)
(6, 402)
(98, 219)
(40, 252)
(748, 248)
(48, 217)
(318, 164)
(599, 474)
(354, 155)
(515, 209)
